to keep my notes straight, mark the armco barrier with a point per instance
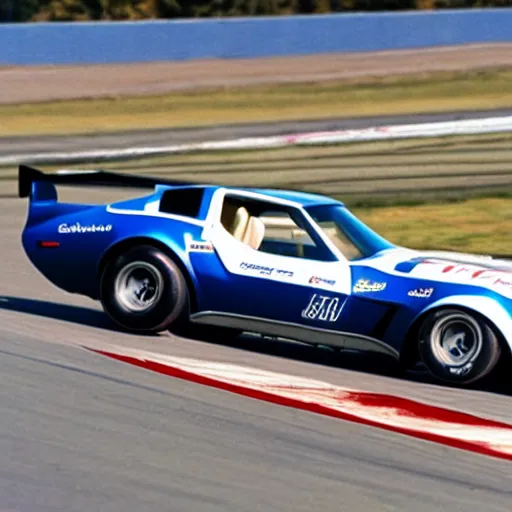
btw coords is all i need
(161, 40)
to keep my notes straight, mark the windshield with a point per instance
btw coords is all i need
(353, 238)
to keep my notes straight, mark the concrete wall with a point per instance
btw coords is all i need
(107, 42)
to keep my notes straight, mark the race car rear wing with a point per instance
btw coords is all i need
(27, 176)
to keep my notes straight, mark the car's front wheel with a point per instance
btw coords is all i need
(457, 346)
(144, 290)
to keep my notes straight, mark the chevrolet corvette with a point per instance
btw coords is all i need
(281, 263)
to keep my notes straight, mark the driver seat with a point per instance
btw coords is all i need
(247, 229)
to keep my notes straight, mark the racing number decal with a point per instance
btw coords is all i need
(321, 307)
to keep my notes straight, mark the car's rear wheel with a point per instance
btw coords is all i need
(457, 346)
(143, 289)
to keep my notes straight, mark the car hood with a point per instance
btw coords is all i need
(480, 260)
(452, 267)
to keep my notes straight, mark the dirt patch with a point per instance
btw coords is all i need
(37, 84)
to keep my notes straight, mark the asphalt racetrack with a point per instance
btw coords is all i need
(40, 144)
(83, 432)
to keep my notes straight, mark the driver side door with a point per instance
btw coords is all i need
(273, 265)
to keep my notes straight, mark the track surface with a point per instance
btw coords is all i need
(38, 144)
(81, 432)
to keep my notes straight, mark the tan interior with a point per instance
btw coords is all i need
(240, 223)
(254, 233)
(247, 229)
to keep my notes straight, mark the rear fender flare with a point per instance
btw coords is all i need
(121, 246)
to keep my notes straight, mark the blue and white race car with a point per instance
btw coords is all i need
(280, 263)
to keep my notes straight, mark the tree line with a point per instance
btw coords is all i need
(83, 10)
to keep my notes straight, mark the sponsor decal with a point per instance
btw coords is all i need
(365, 285)
(264, 270)
(321, 280)
(490, 276)
(194, 246)
(321, 307)
(78, 228)
(260, 269)
(421, 293)
(285, 273)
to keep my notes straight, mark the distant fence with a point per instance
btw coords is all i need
(229, 38)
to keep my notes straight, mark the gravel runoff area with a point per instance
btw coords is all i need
(36, 84)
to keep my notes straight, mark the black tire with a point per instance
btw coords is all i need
(143, 290)
(457, 346)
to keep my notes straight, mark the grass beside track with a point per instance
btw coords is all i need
(436, 92)
(476, 225)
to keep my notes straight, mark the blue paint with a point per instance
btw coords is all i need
(180, 40)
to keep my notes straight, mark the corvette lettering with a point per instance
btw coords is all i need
(78, 228)
(421, 293)
(265, 271)
(365, 285)
(257, 268)
(321, 307)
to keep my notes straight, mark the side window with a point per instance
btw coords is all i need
(284, 236)
(186, 202)
(339, 238)
(271, 228)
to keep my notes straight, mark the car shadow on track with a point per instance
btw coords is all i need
(73, 314)
(325, 356)
(352, 361)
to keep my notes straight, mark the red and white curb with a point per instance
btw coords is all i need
(431, 423)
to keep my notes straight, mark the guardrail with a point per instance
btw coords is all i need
(229, 38)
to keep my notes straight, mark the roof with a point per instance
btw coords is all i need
(303, 198)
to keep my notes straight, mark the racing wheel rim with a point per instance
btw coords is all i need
(139, 286)
(456, 340)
